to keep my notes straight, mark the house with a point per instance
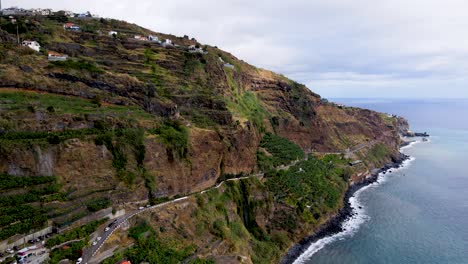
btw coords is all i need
(167, 42)
(71, 27)
(153, 38)
(84, 15)
(40, 12)
(12, 11)
(195, 49)
(113, 33)
(45, 12)
(229, 65)
(55, 56)
(141, 38)
(34, 45)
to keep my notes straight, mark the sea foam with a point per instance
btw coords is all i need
(359, 216)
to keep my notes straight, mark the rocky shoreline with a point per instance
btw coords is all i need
(333, 225)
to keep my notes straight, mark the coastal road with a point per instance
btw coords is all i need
(91, 251)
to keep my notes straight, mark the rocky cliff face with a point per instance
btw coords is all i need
(130, 121)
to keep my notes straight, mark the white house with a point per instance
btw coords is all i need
(46, 12)
(229, 65)
(34, 45)
(167, 42)
(113, 33)
(153, 38)
(195, 49)
(141, 38)
(55, 56)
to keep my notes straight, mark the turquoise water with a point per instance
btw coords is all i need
(416, 214)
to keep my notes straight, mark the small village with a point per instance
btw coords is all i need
(13, 12)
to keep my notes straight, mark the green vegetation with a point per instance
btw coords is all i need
(33, 195)
(11, 182)
(19, 101)
(150, 249)
(99, 204)
(138, 231)
(315, 184)
(77, 233)
(72, 251)
(378, 154)
(212, 216)
(117, 142)
(77, 65)
(17, 216)
(174, 136)
(246, 105)
(20, 219)
(281, 150)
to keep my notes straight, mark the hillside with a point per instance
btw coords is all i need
(124, 122)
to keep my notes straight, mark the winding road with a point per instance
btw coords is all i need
(91, 251)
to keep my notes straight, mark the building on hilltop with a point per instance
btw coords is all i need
(167, 43)
(153, 38)
(195, 49)
(11, 11)
(34, 45)
(41, 12)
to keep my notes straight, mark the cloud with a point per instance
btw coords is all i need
(340, 48)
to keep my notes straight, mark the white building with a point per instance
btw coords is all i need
(34, 45)
(55, 56)
(195, 49)
(12, 11)
(228, 65)
(167, 42)
(138, 37)
(113, 33)
(153, 38)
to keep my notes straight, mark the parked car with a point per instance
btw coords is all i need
(79, 261)
(106, 229)
(10, 251)
(98, 239)
(94, 243)
(1, 255)
(141, 208)
(15, 248)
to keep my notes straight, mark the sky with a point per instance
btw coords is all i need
(338, 48)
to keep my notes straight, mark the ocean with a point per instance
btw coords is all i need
(417, 213)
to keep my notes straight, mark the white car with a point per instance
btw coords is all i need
(94, 243)
(10, 251)
(98, 238)
(106, 229)
(79, 261)
(141, 208)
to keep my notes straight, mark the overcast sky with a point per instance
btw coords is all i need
(338, 48)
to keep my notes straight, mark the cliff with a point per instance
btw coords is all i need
(127, 122)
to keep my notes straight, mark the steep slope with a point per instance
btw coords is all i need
(125, 121)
